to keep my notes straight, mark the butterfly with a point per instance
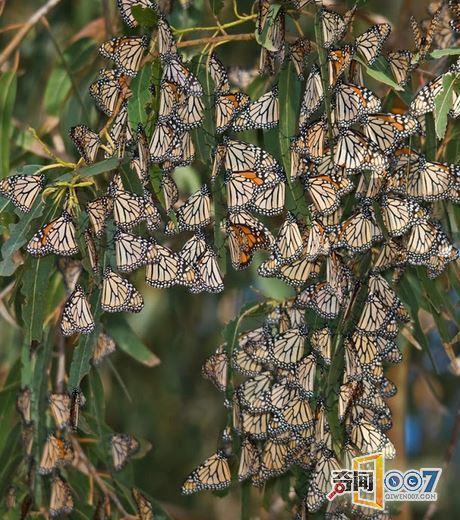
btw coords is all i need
(295, 273)
(431, 181)
(58, 237)
(165, 142)
(390, 255)
(22, 190)
(263, 113)
(320, 297)
(360, 231)
(122, 447)
(321, 344)
(388, 130)
(334, 25)
(252, 394)
(320, 483)
(56, 452)
(297, 52)
(166, 43)
(325, 192)
(60, 409)
(61, 501)
(288, 347)
(76, 315)
(98, 211)
(288, 245)
(212, 474)
(86, 141)
(126, 52)
(353, 151)
(245, 236)
(195, 213)
(352, 102)
(274, 460)
(125, 8)
(423, 101)
(168, 269)
(249, 460)
(119, 295)
(108, 90)
(338, 61)
(132, 252)
(170, 191)
(368, 439)
(144, 506)
(398, 214)
(23, 401)
(218, 74)
(423, 41)
(215, 368)
(245, 363)
(313, 95)
(370, 43)
(129, 209)
(104, 347)
(174, 71)
(120, 133)
(400, 65)
(311, 141)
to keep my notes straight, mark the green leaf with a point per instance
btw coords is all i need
(380, 71)
(57, 90)
(440, 53)
(140, 97)
(219, 215)
(144, 16)
(430, 140)
(443, 103)
(129, 342)
(35, 284)
(8, 85)
(83, 352)
(264, 37)
(216, 6)
(289, 100)
(19, 235)
(104, 166)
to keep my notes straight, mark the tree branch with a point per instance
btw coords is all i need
(22, 33)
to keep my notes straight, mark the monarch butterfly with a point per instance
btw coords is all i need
(168, 269)
(401, 64)
(249, 460)
(195, 213)
(132, 252)
(166, 43)
(245, 363)
(175, 72)
(335, 26)
(338, 61)
(280, 395)
(320, 483)
(388, 130)
(370, 43)
(288, 347)
(360, 231)
(170, 96)
(431, 181)
(129, 209)
(398, 214)
(213, 474)
(255, 425)
(352, 102)
(56, 452)
(119, 295)
(108, 89)
(189, 113)
(255, 342)
(182, 152)
(22, 190)
(218, 75)
(295, 273)
(122, 447)
(86, 141)
(311, 141)
(321, 298)
(252, 393)
(61, 501)
(321, 344)
(58, 237)
(390, 255)
(23, 400)
(297, 52)
(215, 368)
(289, 244)
(125, 8)
(353, 151)
(98, 210)
(423, 41)
(104, 347)
(368, 439)
(209, 272)
(325, 192)
(424, 241)
(424, 99)
(274, 460)
(60, 409)
(227, 108)
(170, 191)
(144, 506)
(304, 375)
(120, 131)
(126, 52)
(76, 315)
(140, 162)
(238, 156)
(316, 241)
(375, 316)
(245, 236)
(263, 113)
(313, 95)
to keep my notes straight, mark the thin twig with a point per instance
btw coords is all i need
(217, 39)
(22, 33)
(95, 475)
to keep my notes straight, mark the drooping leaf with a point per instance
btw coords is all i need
(57, 90)
(263, 38)
(289, 100)
(440, 53)
(129, 342)
(8, 86)
(144, 16)
(443, 103)
(140, 97)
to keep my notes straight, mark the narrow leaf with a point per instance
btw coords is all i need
(8, 85)
(443, 103)
(141, 95)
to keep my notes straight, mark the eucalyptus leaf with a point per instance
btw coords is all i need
(443, 103)
(144, 16)
(140, 97)
(264, 37)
